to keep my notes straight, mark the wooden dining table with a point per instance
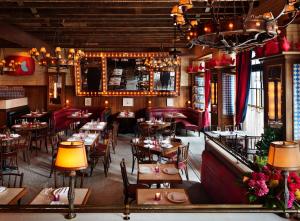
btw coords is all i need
(161, 150)
(167, 173)
(147, 197)
(157, 125)
(45, 197)
(34, 115)
(89, 139)
(94, 126)
(11, 196)
(30, 126)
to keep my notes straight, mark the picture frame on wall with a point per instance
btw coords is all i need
(88, 101)
(127, 102)
(170, 102)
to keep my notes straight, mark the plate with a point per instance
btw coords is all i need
(145, 170)
(2, 189)
(149, 146)
(61, 191)
(167, 145)
(17, 125)
(170, 170)
(14, 135)
(148, 141)
(177, 197)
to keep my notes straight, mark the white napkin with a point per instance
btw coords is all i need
(170, 170)
(179, 197)
(2, 189)
(145, 170)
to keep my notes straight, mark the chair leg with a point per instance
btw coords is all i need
(186, 173)
(185, 132)
(46, 144)
(133, 163)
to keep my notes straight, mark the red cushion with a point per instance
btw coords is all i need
(220, 182)
(192, 122)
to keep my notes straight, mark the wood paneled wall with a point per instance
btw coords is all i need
(37, 99)
(116, 103)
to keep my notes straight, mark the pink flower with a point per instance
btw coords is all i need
(251, 183)
(261, 188)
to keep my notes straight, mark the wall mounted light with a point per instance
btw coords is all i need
(274, 94)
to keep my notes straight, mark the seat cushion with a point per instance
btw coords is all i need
(187, 125)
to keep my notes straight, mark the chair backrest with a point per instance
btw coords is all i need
(9, 160)
(25, 139)
(183, 154)
(124, 175)
(61, 179)
(54, 143)
(13, 180)
(250, 144)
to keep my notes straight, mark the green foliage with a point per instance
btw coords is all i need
(269, 135)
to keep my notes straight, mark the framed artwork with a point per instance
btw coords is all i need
(127, 102)
(170, 102)
(88, 101)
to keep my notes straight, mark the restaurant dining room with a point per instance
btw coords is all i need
(150, 109)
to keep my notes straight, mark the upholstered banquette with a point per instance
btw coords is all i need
(61, 121)
(220, 173)
(193, 121)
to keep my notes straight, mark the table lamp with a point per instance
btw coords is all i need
(285, 156)
(71, 156)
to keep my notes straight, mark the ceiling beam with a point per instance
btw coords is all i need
(17, 36)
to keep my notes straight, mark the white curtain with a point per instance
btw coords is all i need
(254, 122)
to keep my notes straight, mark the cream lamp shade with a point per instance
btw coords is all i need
(284, 155)
(71, 156)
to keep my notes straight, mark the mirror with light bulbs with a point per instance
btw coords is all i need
(128, 74)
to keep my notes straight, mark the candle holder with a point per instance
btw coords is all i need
(157, 196)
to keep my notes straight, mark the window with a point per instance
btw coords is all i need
(256, 83)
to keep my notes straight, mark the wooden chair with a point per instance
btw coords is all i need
(98, 152)
(140, 155)
(129, 190)
(182, 159)
(250, 149)
(9, 161)
(115, 129)
(61, 179)
(170, 131)
(54, 147)
(11, 180)
(39, 137)
(24, 145)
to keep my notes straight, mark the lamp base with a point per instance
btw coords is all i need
(70, 216)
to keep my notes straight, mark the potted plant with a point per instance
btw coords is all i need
(269, 135)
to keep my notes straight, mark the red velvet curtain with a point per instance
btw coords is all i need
(207, 77)
(243, 72)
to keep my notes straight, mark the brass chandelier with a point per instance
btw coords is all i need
(61, 57)
(233, 33)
